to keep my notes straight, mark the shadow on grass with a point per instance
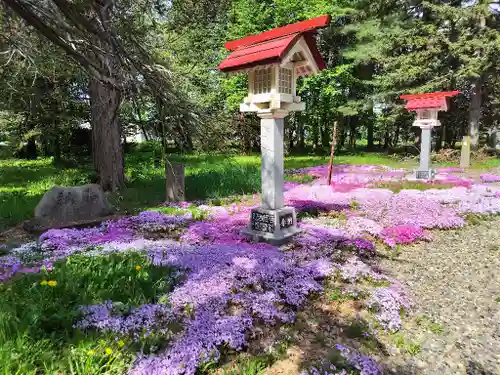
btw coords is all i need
(16, 206)
(16, 174)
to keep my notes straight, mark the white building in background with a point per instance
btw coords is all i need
(136, 136)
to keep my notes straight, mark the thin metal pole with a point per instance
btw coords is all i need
(332, 153)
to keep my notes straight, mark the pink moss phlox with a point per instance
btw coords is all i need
(317, 207)
(316, 193)
(358, 225)
(224, 228)
(411, 208)
(403, 234)
(119, 230)
(288, 185)
(490, 177)
(450, 170)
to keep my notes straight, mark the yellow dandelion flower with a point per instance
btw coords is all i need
(91, 352)
(138, 268)
(43, 282)
(52, 283)
(108, 351)
(121, 344)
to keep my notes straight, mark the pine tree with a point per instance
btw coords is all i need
(422, 46)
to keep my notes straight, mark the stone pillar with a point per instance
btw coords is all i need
(425, 172)
(272, 222)
(271, 138)
(425, 149)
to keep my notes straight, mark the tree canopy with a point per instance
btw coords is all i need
(151, 64)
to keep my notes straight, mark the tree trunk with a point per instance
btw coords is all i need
(352, 133)
(396, 136)
(387, 139)
(370, 136)
(475, 113)
(31, 152)
(342, 138)
(316, 135)
(291, 143)
(441, 137)
(302, 135)
(57, 148)
(325, 132)
(106, 135)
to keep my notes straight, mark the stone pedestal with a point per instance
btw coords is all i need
(272, 222)
(273, 226)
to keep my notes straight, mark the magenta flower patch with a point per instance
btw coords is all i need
(403, 234)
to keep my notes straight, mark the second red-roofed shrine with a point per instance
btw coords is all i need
(273, 61)
(427, 107)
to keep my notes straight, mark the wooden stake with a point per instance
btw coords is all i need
(332, 153)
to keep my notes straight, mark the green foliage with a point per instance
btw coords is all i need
(409, 346)
(247, 366)
(37, 315)
(425, 322)
(299, 178)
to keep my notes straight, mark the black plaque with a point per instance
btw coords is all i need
(286, 221)
(422, 175)
(426, 175)
(263, 222)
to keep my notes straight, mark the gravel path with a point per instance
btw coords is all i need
(454, 282)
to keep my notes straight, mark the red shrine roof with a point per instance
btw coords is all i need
(433, 100)
(271, 46)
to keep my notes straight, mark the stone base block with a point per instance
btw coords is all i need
(425, 175)
(273, 226)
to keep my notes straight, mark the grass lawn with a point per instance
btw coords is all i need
(23, 183)
(39, 310)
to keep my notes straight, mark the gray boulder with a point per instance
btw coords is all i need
(68, 206)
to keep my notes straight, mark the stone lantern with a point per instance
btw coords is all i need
(273, 61)
(427, 107)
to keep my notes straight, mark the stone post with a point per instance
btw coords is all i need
(272, 222)
(465, 152)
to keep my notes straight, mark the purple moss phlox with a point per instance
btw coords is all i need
(227, 289)
(357, 362)
(364, 364)
(389, 303)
